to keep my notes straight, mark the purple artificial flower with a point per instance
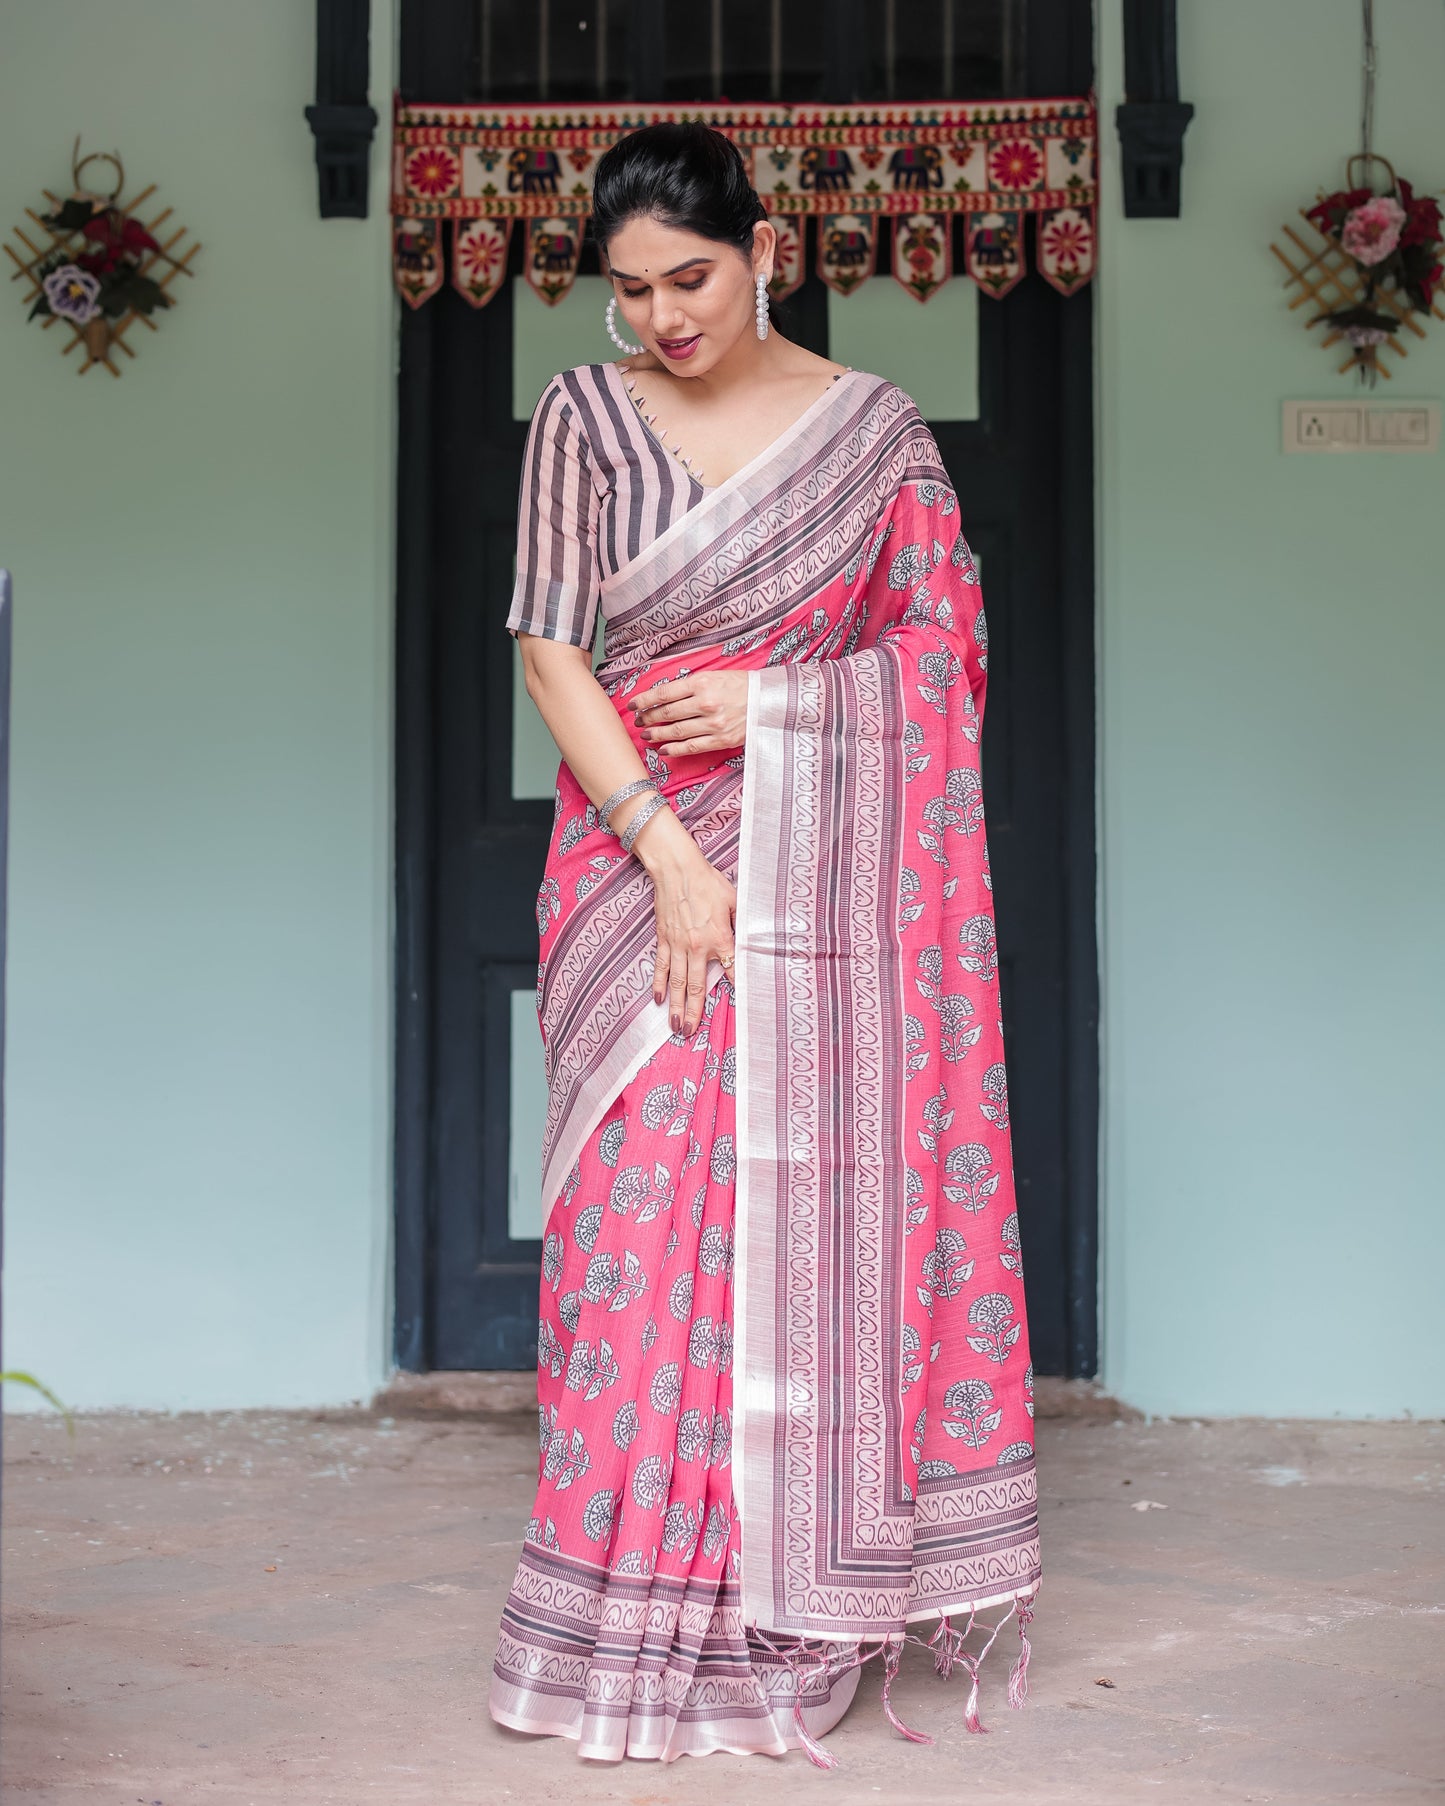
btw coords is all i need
(73, 293)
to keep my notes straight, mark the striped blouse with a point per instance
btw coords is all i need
(598, 485)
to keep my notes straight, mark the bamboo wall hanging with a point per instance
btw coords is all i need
(93, 266)
(1369, 261)
(1361, 306)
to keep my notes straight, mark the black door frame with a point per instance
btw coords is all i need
(1059, 61)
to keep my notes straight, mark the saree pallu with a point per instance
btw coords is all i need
(784, 1386)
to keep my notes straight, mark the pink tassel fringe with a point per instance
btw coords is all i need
(943, 1643)
(816, 1754)
(1018, 1679)
(970, 1711)
(947, 1645)
(973, 1663)
(892, 1654)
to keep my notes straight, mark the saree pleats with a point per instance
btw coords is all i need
(624, 1627)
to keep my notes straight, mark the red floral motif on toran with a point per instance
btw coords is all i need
(480, 257)
(433, 172)
(1016, 164)
(1067, 241)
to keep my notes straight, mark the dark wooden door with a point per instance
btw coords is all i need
(470, 854)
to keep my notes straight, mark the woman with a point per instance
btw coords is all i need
(786, 1406)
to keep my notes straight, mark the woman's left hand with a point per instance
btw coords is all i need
(705, 712)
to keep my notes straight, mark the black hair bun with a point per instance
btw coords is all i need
(682, 173)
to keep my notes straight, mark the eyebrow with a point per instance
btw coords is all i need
(622, 275)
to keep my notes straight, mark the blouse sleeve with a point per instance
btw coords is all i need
(556, 591)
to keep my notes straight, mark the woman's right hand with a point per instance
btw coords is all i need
(696, 906)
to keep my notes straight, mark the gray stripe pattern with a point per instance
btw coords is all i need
(596, 488)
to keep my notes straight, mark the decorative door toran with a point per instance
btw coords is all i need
(483, 168)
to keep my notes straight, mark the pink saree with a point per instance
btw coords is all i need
(784, 1384)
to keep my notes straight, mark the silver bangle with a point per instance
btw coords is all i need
(644, 814)
(620, 795)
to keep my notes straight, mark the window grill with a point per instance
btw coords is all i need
(748, 50)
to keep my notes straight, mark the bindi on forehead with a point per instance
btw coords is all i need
(676, 270)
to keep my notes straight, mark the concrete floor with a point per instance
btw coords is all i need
(264, 1607)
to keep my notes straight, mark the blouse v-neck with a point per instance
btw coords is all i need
(675, 452)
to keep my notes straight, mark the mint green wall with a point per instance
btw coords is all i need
(1272, 637)
(198, 1094)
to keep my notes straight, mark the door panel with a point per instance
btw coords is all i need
(928, 348)
(548, 339)
(1005, 386)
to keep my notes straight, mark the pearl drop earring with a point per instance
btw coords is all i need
(762, 307)
(613, 333)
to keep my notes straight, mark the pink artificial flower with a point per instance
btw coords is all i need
(1372, 231)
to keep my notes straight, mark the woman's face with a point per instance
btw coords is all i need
(686, 298)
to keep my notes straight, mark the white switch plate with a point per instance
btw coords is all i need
(1353, 426)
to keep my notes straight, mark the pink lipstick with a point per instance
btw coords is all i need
(679, 348)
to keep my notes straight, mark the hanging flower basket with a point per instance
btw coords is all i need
(1377, 265)
(92, 265)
